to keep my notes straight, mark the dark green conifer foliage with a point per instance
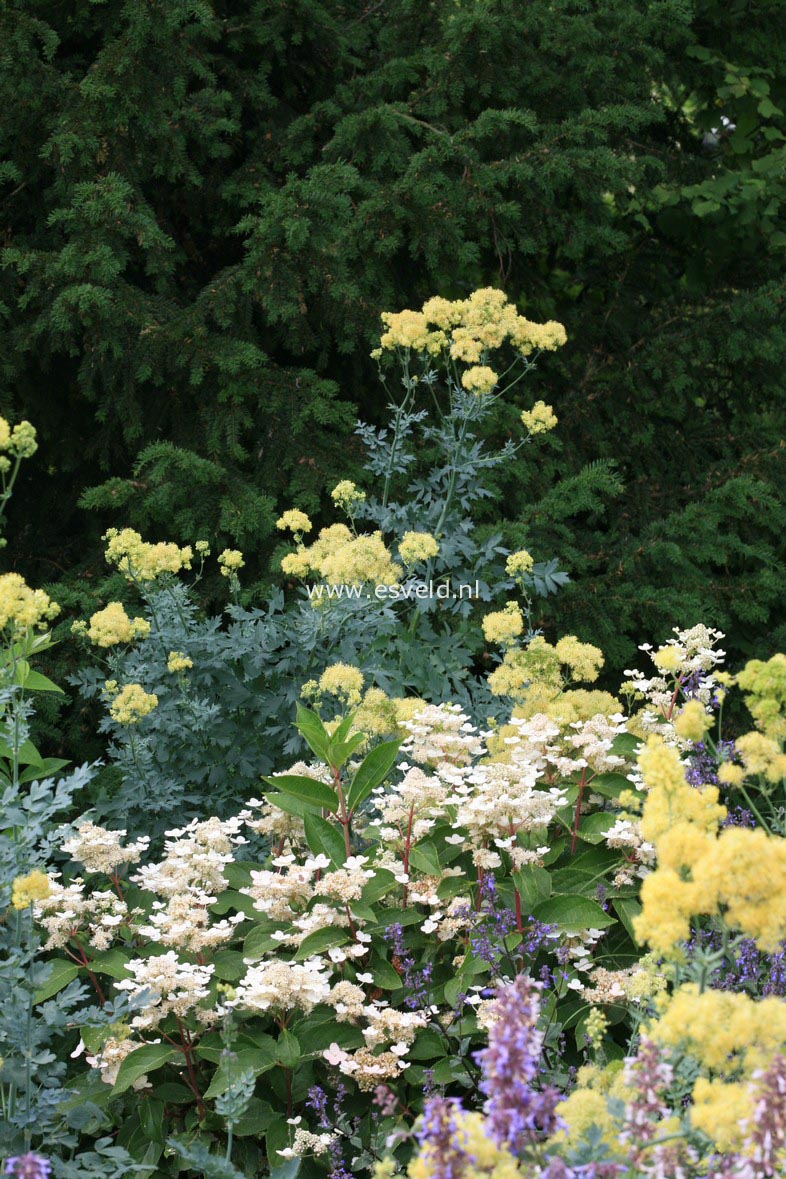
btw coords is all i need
(205, 206)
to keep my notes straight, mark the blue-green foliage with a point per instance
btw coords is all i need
(227, 721)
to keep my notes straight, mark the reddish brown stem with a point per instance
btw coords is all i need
(191, 1079)
(577, 813)
(82, 960)
(345, 818)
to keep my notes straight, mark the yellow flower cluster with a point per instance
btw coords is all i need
(347, 495)
(738, 874)
(503, 626)
(22, 608)
(693, 722)
(468, 328)
(479, 379)
(588, 1105)
(595, 1027)
(668, 658)
(230, 561)
(340, 558)
(582, 659)
(540, 418)
(417, 546)
(519, 563)
(761, 754)
(112, 625)
(294, 521)
(765, 687)
(536, 668)
(177, 661)
(410, 329)
(20, 441)
(28, 889)
(731, 1036)
(131, 704)
(138, 559)
(344, 681)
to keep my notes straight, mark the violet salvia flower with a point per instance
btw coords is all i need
(438, 1131)
(739, 816)
(517, 1113)
(28, 1166)
(416, 982)
(649, 1074)
(765, 1145)
(317, 1101)
(337, 1168)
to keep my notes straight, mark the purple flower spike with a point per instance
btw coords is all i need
(518, 1114)
(28, 1166)
(438, 1131)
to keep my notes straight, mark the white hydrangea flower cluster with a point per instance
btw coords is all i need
(69, 911)
(367, 1068)
(305, 1142)
(188, 879)
(111, 1055)
(195, 857)
(625, 835)
(409, 809)
(101, 850)
(167, 986)
(497, 801)
(593, 739)
(283, 986)
(442, 733)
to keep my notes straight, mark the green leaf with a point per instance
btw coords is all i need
(238, 873)
(319, 940)
(625, 745)
(385, 976)
(111, 962)
(627, 909)
(305, 789)
(610, 785)
(287, 1170)
(229, 965)
(60, 975)
(255, 1120)
(232, 1064)
(287, 1050)
(142, 1060)
(47, 769)
(533, 885)
(371, 772)
(379, 885)
(573, 913)
(428, 1045)
(423, 857)
(292, 806)
(339, 752)
(316, 1037)
(593, 828)
(234, 902)
(28, 754)
(323, 836)
(259, 941)
(151, 1119)
(313, 732)
(35, 682)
